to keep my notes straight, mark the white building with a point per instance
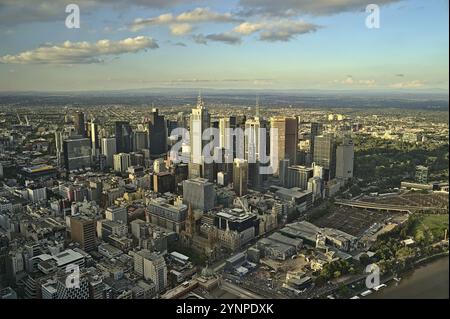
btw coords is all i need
(108, 147)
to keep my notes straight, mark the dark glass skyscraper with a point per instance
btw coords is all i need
(124, 137)
(80, 125)
(157, 130)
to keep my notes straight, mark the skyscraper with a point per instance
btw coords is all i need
(240, 176)
(95, 138)
(121, 162)
(157, 130)
(124, 137)
(80, 126)
(77, 153)
(199, 193)
(108, 147)
(344, 159)
(325, 154)
(316, 130)
(200, 121)
(287, 137)
(83, 231)
(140, 140)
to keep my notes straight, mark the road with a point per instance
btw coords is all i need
(238, 291)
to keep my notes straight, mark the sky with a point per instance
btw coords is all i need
(224, 44)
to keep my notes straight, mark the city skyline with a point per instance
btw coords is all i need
(320, 45)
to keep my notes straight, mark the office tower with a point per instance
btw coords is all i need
(95, 137)
(283, 171)
(199, 193)
(121, 162)
(108, 147)
(344, 159)
(298, 176)
(124, 137)
(325, 155)
(63, 291)
(200, 121)
(316, 130)
(225, 137)
(240, 176)
(140, 140)
(157, 130)
(421, 174)
(1, 170)
(169, 216)
(163, 182)
(171, 125)
(83, 231)
(59, 146)
(151, 266)
(77, 153)
(80, 126)
(117, 214)
(287, 128)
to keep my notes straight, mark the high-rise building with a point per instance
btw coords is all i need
(421, 174)
(77, 153)
(1, 170)
(121, 162)
(157, 130)
(298, 176)
(83, 231)
(287, 138)
(199, 193)
(225, 138)
(344, 159)
(151, 266)
(124, 137)
(200, 121)
(316, 130)
(95, 138)
(140, 140)
(325, 154)
(108, 147)
(117, 214)
(240, 176)
(80, 126)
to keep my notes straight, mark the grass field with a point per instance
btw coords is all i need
(435, 224)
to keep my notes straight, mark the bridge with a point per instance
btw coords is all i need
(386, 207)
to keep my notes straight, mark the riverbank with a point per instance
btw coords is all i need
(429, 281)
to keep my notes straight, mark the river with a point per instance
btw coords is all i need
(429, 281)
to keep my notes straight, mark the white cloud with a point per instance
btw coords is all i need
(349, 80)
(281, 30)
(197, 15)
(180, 28)
(80, 52)
(14, 12)
(408, 85)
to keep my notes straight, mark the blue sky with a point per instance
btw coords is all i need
(254, 44)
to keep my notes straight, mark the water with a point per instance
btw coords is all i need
(430, 281)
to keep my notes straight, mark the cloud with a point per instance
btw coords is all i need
(400, 75)
(180, 28)
(311, 7)
(180, 44)
(349, 80)
(408, 85)
(226, 37)
(80, 52)
(281, 30)
(198, 15)
(15, 12)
